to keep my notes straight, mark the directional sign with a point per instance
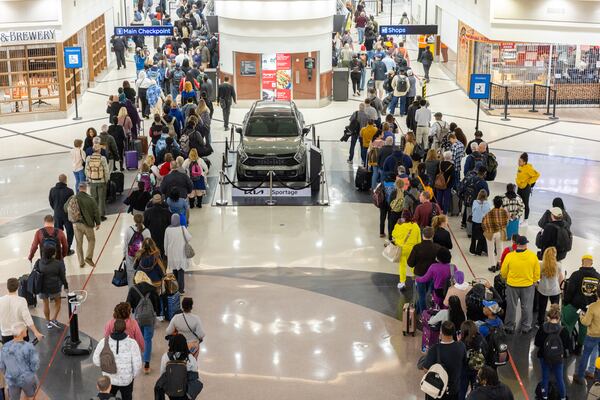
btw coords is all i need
(408, 29)
(73, 57)
(144, 30)
(480, 86)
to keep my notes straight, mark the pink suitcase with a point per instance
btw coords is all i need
(430, 335)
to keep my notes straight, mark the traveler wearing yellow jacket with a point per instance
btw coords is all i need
(521, 270)
(406, 235)
(526, 178)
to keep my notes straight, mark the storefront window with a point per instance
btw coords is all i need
(28, 79)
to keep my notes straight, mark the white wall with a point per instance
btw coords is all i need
(449, 30)
(29, 13)
(76, 17)
(272, 10)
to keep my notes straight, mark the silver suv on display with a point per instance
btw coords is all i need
(272, 139)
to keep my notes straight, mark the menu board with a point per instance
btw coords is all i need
(277, 76)
(248, 68)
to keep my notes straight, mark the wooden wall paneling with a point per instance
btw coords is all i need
(326, 84)
(247, 87)
(305, 90)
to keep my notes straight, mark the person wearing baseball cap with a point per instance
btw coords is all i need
(491, 309)
(521, 270)
(555, 234)
(579, 292)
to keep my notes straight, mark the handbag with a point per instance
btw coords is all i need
(120, 275)
(187, 249)
(392, 252)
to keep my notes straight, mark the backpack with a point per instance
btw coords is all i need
(95, 167)
(354, 126)
(401, 84)
(397, 204)
(50, 241)
(35, 279)
(378, 196)
(170, 125)
(196, 140)
(443, 132)
(177, 76)
(466, 188)
(475, 359)
(498, 348)
(564, 240)
(195, 171)
(73, 210)
(553, 349)
(135, 243)
(387, 85)
(184, 143)
(175, 377)
(147, 180)
(492, 167)
(144, 311)
(435, 381)
(440, 182)
(107, 359)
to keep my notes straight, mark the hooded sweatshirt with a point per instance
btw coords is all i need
(549, 328)
(526, 176)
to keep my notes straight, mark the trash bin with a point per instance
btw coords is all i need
(340, 84)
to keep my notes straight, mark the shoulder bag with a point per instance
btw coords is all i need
(187, 249)
(392, 252)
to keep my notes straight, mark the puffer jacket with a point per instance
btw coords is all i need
(127, 357)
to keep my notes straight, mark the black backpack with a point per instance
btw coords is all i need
(402, 84)
(50, 241)
(564, 239)
(498, 348)
(467, 188)
(175, 377)
(387, 84)
(553, 349)
(354, 126)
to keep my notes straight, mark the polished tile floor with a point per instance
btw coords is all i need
(297, 301)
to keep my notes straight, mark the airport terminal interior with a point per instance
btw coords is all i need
(265, 219)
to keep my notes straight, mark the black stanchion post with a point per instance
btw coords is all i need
(505, 118)
(226, 145)
(554, 107)
(314, 134)
(534, 99)
(477, 120)
(548, 91)
(490, 108)
(319, 142)
(77, 117)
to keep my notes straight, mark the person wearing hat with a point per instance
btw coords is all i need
(491, 309)
(555, 234)
(157, 218)
(521, 270)
(422, 256)
(406, 235)
(439, 273)
(578, 294)
(459, 289)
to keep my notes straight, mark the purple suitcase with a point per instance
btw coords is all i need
(430, 335)
(131, 159)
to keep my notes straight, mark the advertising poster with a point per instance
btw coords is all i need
(277, 76)
(269, 76)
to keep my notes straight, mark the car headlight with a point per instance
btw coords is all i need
(299, 156)
(242, 156)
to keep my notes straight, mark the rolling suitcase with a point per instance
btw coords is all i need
(431, 335)
(119, 179)
(469, 221)
(137, 147)
(23, 292)
(363, 179)
(131, 160)
(171, 305)
(409, 317)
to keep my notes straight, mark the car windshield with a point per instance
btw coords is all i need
(271, 126)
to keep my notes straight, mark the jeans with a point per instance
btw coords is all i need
(363, 79)
(525, 194)
(426, 70)
(61, 221)
(79, 177)
(403, 105)
(126, 391)
(513, 296)
(361, 35)
(98, 193)
(353, 140)
(120, 54)
(557, 370)
(542, 303)
(443, 197)
(588, 346)
(375, 177)
(179, 275)
(393, 104)
(148, 332)
(175, 90)
(422, 290)
(592, 363)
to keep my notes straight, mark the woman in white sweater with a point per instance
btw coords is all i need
(128, 360)
(176, 236)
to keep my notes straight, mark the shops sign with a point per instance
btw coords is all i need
(33, 36)
(408, 29)
(144, 30)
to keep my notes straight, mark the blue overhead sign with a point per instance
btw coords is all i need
(143, 30)
(408, 29)
(73, 57)
(480, 86)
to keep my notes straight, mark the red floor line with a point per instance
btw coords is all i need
(64, 332)
(512, 363)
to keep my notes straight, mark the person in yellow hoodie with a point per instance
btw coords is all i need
(591, 319)
(406, 235)
(520, 270)
(527, 176)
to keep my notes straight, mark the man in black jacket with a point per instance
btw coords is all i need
(58, 196)
(411, 123)
(119, 46)
(157, 218)
(579, 293)
(421, 257)
(226, 95)
(176, 179)
(555, 234)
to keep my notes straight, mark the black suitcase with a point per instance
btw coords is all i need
(30, 297)
(119, 179)
(111, 192)
(363, 179)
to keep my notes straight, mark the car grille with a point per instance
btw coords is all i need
(284, 160)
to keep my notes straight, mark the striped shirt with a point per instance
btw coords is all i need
(515, 207)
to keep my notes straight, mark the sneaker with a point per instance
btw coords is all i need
(589, 375)
(401, 285)
(349, 161)
(382, 235)
(160, 318)
(89, 262)
(70, 252)
(49, 325)
(578, 380)
(103, 218)
(524, 223)
(55, 323)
